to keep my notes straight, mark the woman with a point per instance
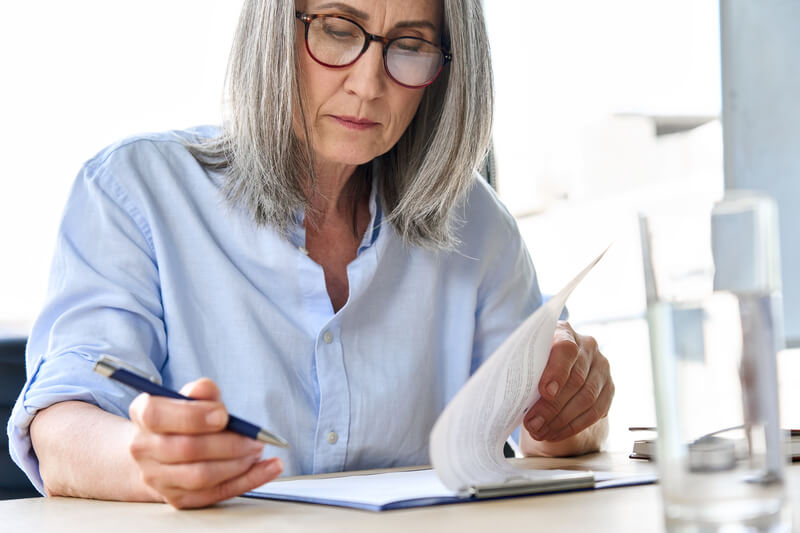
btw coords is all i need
(328, 260)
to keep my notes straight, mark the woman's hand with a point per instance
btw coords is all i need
(576, 392)
(185, 456)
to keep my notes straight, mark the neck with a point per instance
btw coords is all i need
(337, 194)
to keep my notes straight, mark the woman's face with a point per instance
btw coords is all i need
(357, 113)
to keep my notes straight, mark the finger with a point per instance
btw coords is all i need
(587, 398)
(590, 416)
(548, 410)
(563, 359)
(174, 449)
(157, 414)
(202, 389)
(583, 400)
(194, 477)
(258, 474)
(563, 354)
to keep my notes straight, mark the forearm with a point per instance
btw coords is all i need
(587, 441)
(83, 451)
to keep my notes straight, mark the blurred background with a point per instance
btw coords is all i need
(603, 108)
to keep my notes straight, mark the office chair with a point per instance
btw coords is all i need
(13, 483)
(489, 168)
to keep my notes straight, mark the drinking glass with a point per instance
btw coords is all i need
(713, 310)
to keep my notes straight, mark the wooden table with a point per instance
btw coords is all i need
(614, 510)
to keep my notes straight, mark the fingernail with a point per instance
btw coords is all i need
(275, 467)
(552, 388)
(536, 424)
(216, 418)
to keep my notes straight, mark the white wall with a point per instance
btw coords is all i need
(76, 77)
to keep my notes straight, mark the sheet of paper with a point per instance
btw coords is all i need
(466, 445)
(388, 489)
(373, 490)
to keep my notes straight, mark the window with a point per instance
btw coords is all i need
(602, 108)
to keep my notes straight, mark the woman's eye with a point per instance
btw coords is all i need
(339, 33)
(408, 46)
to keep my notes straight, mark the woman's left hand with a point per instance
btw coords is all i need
(576, 389)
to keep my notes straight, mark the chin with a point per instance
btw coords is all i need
(348, 155)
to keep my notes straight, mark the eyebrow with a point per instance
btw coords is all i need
(350, 10)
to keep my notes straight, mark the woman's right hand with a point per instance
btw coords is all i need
(185, 455)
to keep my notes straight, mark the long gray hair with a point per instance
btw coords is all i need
(423, 176)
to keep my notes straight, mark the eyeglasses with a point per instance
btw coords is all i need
(336, 42)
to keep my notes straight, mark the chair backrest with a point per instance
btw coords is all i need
(13, 483)
(489, 168)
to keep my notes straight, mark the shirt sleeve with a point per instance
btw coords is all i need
(508, 294)
(509, 290)
(103, 298)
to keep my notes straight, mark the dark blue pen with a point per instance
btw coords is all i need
(112, 368)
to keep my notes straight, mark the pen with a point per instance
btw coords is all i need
(111, 367)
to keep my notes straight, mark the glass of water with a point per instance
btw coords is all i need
(714, 308)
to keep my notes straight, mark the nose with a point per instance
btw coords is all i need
(367, 78)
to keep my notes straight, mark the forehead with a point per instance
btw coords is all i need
(381, 11)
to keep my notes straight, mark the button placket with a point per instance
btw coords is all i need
(334, 413)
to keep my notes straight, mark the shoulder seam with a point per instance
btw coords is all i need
(120, 197)
(96, 164)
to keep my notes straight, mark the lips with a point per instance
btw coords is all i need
(354, 123)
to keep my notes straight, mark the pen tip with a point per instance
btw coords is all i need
(268, 438)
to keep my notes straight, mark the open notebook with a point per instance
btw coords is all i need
(419, 488)
(467, 456)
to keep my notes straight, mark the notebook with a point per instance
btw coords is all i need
(646, 448)
(419, 488)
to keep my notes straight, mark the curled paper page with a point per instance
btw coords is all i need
(466, 444)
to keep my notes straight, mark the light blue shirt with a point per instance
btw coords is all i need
(153, 265)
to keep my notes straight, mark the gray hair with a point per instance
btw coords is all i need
(427, 172)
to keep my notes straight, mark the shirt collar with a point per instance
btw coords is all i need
(297, 231)
(374, 226)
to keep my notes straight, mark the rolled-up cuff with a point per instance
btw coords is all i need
(55, 379)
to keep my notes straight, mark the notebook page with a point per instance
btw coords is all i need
(369, 490)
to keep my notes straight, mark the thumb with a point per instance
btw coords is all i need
(564, 334)
(202, 389)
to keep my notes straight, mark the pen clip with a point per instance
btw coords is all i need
(108, 364)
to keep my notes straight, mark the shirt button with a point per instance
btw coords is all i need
(327, 337)
(332, 437)
(303, 250)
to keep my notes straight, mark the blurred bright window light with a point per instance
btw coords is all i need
(566, 70)
(602, 107)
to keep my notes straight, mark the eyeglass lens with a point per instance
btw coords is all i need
(338, 42)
